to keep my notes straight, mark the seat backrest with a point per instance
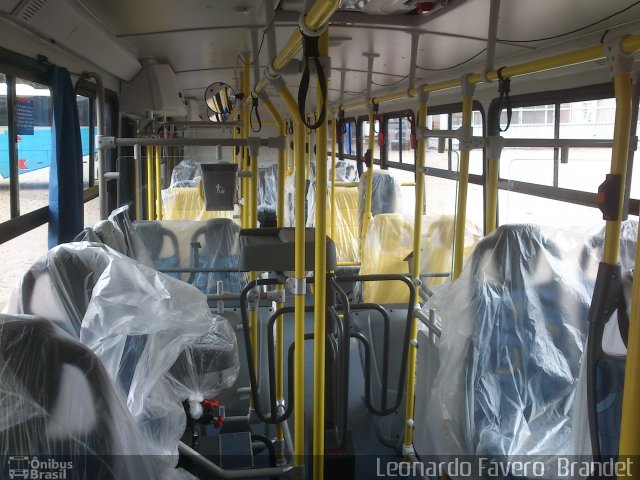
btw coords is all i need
(58, 401)
(111, 317)
(219, 249)
(605, 362)
(386, 195)
(513, 332)
(388, 242)
(157, 238)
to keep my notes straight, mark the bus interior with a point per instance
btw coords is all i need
(319, 239)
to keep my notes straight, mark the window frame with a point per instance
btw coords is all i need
(14, 65)
(450, 174)
(399, 114)
(558, 97)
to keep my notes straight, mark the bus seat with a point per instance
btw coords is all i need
(219, 241)
(347, 233)
(386, 195)
(187, 203)
(513, 332)
(155, 335)
(346, 171)
(104, 231)
(611, 361)
(388, 242)
(58, 401)
(158, 240)
(268, 187)
(437, 246)
(186, 173)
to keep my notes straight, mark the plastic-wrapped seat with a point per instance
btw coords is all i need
(219, 244)
(601, 422)
(513, 332)
(57, 401)
(386, 195)
(155, 237)
(154, 334)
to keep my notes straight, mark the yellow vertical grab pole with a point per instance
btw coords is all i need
(369, 191)
(308, 151)
(463, 183)
(299, 274)
(629, 434)
(334, 127)
(234, 154)
(253, 223)
(246, 111)
(137, 153)
(158, 182)
(417, 242)
(150, 187)
(320, 277)
(494, 149)
(280, 223)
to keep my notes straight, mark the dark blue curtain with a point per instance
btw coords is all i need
(65, 177)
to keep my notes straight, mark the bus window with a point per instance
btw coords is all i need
(532, 165)
(349, 140)
(364, 129)
(586, 168)
(441, 185)
(398, 143)
(476, 156)
(5, 212)
(85, 107)
(33, 128)
(535, 175)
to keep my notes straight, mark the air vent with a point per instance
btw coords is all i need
(28, 10)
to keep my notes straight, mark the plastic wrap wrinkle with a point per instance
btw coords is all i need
(138, 322)
(346, 171)
(268, 187)
(186, 174)
(58, 400)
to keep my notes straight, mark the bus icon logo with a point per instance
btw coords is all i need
(18, 467)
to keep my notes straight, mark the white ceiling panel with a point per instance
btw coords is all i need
(524, 20)
(129, 18)
(201, 39)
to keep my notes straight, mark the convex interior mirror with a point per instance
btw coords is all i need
(221, 100)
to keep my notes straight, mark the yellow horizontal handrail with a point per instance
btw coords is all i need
(629, 44)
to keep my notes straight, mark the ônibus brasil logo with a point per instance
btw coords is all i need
(38, 469)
